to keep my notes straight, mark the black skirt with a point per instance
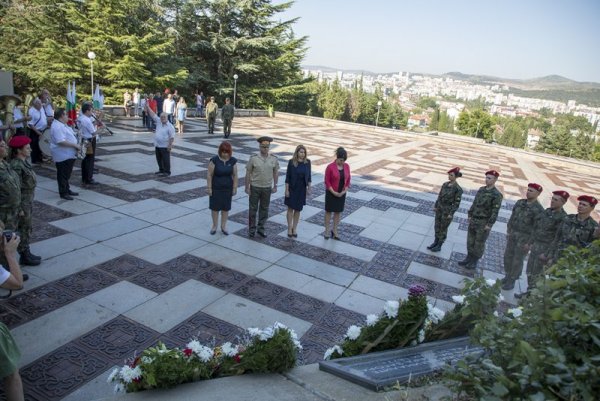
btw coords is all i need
(333, 203)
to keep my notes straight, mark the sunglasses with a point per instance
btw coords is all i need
(265, 146)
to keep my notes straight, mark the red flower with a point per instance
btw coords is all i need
(188, 352)
(135, 362)
(137, 379)
(237, 358)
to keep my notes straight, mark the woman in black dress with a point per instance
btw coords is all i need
(337, 181)
(221, 182)
(297, 185)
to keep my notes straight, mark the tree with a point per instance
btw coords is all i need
(435, 119)
(513, 135)
(477, 123)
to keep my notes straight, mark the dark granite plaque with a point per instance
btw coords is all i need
(379, 370)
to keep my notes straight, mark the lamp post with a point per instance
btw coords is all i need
(92, 56)
(379, 103)
(235, 78)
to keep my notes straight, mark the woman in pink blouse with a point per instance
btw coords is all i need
(337, 181)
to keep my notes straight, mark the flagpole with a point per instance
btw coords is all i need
(92, 56)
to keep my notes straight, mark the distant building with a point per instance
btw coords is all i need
(418, 120)
(533, 137)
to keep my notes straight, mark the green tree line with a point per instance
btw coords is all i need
(561, 134)
(151, 45)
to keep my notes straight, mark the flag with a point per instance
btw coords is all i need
(73, 111)
(96, 98)
(70, 104)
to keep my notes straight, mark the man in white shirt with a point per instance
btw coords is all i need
(18, 120)
(64, 148)
(169, 108)
(136, 102)
(163, 141)
(37, 126)
(87, 129)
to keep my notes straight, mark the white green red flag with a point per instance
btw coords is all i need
(71, 104)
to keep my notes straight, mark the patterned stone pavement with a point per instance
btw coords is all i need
(131, 262)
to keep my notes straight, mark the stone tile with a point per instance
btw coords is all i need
(139, 239)
(337, 319)
(57, 328)
(301, 306)
(378, 289)
(407, 239)
(87, 282)
(59, 245)
(94, 389)
(231, 259)
(73, 262)
(88, 220)
(436, 274)
(363, 217)
(251, 248)
(164, 214)
(244, 313)
(121, 297)
(344, 248)
(98, 199)
(223, 278)
(125, 266)
(171, 248)
(317, 269)
(206, 329)
(167, 310)
(118, 340)
(262, 291)
(118, 227)
(135, 208)
(285, 277)
(379, 232)
(60, 372)
(359, 302)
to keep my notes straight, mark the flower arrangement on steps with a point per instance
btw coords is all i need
(413, 321)
(270, 350)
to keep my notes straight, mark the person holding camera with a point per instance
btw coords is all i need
(19, 152)
(11, 279)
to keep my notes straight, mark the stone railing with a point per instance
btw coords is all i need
(119, 111)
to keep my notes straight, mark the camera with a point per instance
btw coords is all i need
(8, 234)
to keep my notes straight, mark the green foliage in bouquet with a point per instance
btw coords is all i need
(549, 347)
(397, 326)
(478, 300)
(271, 350)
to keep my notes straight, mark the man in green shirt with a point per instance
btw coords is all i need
(211, 114)
(227, 113)
(482, 216)
(519, 233)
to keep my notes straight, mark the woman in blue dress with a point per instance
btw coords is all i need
(221, 182)
(181, 115)
(297, 185)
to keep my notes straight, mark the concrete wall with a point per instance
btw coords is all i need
(118, 111)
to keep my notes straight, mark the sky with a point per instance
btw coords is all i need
(510, 39)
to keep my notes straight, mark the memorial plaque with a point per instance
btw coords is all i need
(379, 370)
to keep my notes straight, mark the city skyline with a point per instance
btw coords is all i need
(510, 40)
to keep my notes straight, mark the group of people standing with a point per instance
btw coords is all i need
(262, 176)
(544, 234)
(176, 109)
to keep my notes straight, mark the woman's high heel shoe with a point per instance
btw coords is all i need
(334, 236)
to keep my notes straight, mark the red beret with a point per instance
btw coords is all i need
(564, 194)
(493, 172)
(589, 199)
(454, 170)
(535, 186)
(19, 141)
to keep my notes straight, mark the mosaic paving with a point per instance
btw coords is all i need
(131, 262)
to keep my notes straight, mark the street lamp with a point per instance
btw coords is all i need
(235, 78)
(92, 56)
(379, 103)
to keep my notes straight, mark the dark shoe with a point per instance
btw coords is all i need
(472, 265)
(465, 261)
(290, 235)
(433, 245)
(158, 172)
(25, 276)
(225, 232)
(92, 182)
(262, 234)
(27, 261)
(295, 235)
(522, 295)
(213, 231)
(66, 197)
(436, 248)
(73, 193)
(251, 234)
(32, 256)
(508, 285)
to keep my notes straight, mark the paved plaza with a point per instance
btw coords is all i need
(131, 261)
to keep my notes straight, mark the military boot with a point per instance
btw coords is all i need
(31, 255)
(437, 247)
(472, 265)
(27, 260)
(465, 261)
(434, 244)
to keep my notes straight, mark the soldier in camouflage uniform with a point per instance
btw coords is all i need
(10, 195)
(227, 114)
(519, 234)
(543, 235)
(576, 229)
(20, 151)
(445, 206)
(482, 216)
